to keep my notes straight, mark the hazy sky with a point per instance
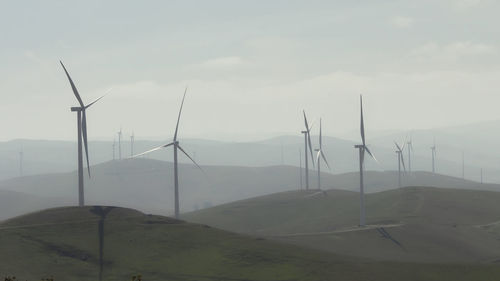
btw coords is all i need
(251, 66)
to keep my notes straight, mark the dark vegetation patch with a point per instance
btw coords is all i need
(64, 250)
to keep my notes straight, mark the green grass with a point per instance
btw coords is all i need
(63, 243)
(435, 225)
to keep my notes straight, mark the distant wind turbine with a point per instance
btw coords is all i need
(362, 148)
(410, 150)
(82, 134)
(307, 140)
(175, 144)
(433, 151)
(120, 144)
(399, 152)
(132, 139)
(114, 146)
(320, 155)
(463, 165)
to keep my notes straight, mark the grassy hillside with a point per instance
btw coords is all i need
(414, 224)
(147, 185)
(64, 243)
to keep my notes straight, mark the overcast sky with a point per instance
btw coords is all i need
(251, 66)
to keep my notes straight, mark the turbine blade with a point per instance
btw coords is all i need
(371, 154)
(179, 117)
(151, 150)
(397, 145)
(403, 162)
(320, 137)
(96, 100)
(84, 133)
(75, 91)
(305, 120)
(310, 146)
(324, 158)
(362, 125)
(192, 160)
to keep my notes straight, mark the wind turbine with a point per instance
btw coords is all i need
(362, 148)
(114, 146)
(175, 144)
(399, 152)
(463, 165)
(410, 150)
(320, 155)
(433, 151)
(307, 141)
(120, 144)
(132, 139)
(82, 134)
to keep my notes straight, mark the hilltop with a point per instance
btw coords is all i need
(64, 243)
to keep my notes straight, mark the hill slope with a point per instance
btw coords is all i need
(147, 185)
(64, 243)
(414, 224)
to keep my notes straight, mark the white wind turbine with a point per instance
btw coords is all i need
(82, 134)
(399, 152)
(320, 155)
(362, 148)
(307, 142)
(175, 144)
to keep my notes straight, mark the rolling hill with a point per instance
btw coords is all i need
(147, 185)
(417, 224)
(73, 243)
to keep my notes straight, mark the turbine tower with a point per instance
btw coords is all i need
(399, 152)
(300, 168)
(176, 145)
(320, 155)
(433, 152)
(362, 148)
(114, 146)
(132, 139)
(82, 134)
(463, 165)
(410, 150)
(120, 144)
(307, 142)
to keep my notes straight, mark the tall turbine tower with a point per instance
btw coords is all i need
(399, 152)
(433, 151)
(300, 168)
(175, 144)
(307, 142)
(320, 155)
(362, 148)
(82, 134)
(120, 144)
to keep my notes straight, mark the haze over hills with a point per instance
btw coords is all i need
(147, 185)
(417, 224)
(43, 156)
